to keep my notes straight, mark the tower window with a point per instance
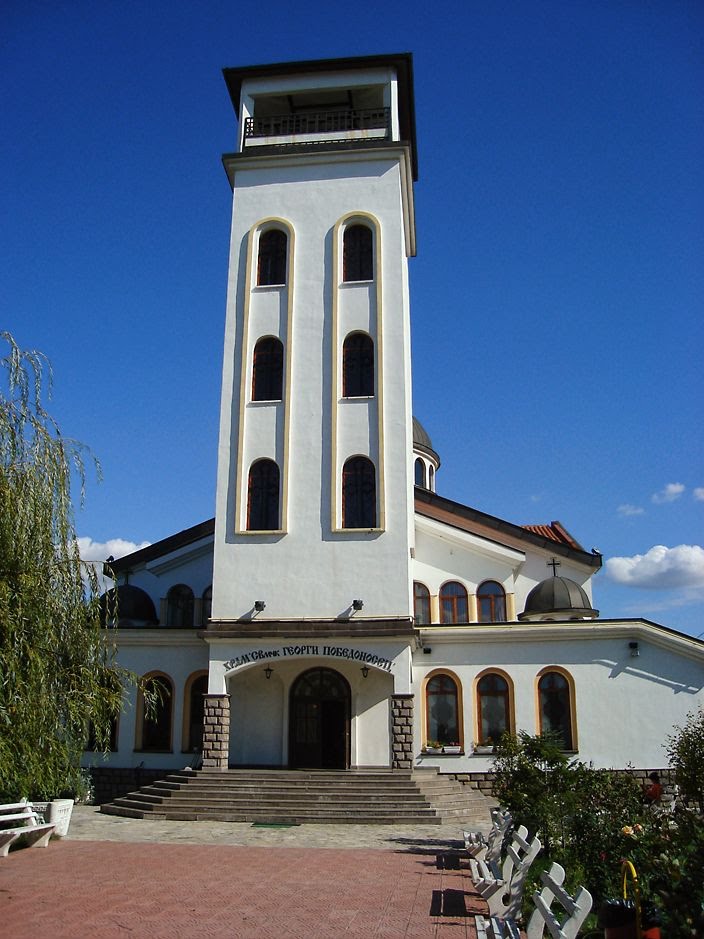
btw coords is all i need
(357, 257)
(421, 604)
(271, 267)
(420, 472)
(453, 603)
(491, 601)
(358, 366)
(263, 497)
(267, 373)
(359, 493)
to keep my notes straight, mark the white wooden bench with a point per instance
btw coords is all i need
(503, 888)
(24, 824)
(544, 917)
(489, 849)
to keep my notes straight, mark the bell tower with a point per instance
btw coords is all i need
(314, 510)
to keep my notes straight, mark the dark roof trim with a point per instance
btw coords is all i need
(180, 540)
(402, 62)
(424, 497)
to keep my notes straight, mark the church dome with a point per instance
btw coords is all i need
(423, 443)
(558, 598)
(134, 605)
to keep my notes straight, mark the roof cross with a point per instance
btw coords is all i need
(554, 565)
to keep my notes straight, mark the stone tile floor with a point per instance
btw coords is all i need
(138, 878)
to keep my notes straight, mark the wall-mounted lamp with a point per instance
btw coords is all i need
(427, 650)
(268, 671)
(259, 605)
(635, 651)
(358, 604)
(365, 671)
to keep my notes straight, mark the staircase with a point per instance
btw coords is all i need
(307, 796)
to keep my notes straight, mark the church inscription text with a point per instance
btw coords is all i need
(287, 652)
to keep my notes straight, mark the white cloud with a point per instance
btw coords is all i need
(660, 568)
(698, 493)
(670, 493)
(95, 552)
(628, 509)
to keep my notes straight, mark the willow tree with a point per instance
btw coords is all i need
(58, 674)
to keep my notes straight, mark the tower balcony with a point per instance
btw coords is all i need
(318, 127)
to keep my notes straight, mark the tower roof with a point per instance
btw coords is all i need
(422, 441)
(559, 596)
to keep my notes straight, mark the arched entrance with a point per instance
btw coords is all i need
(319, 723)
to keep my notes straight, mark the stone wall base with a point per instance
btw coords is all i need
(111, 782)
(484, 782)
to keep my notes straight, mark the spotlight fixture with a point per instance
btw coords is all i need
(427, 650)
(268, 671)
(259, 605)
(357, 604)
(635, 651)
(364, 670)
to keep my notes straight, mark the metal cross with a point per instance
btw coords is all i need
(554, 565)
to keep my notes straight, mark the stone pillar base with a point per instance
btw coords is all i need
(402, 731)
(216, 731)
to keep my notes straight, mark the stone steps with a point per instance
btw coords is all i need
(300, 796)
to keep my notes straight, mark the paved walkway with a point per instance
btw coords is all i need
(137, 878)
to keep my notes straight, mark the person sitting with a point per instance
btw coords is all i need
(653, 790)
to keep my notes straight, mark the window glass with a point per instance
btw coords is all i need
(453, 603)
(268, 370)
(442, 711)
(263, 497)
(555, 712)
(491, 602)
(196, 710)
(420, 473)
(271, 266)
(206, 608)
(358, 366)
(357, 254)
(156, 723)
(492, 708)
(421, 604)
(180, 606)
(359, 493)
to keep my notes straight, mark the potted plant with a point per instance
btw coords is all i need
(484, 746)
(433, 746)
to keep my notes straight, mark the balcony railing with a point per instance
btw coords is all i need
(328, 125)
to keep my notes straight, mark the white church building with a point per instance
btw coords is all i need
(338, 612)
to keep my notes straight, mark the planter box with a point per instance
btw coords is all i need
(59, 812)
(452, 749)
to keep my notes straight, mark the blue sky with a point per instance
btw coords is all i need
(556, 295)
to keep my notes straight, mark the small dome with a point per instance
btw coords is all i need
(423, 443)
(560, 597)
(133, 605)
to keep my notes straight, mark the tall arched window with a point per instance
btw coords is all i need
(419, 472)
(193, 711)
(357, 254)
(271, 265)
(179, 601)
(421, 604)
(555, 708)
(268, 370)
(493, 707)
(359, 493)
(206, 606)
(491, 602)
(358, 366)
(431, 479)
(263, 497)
(442, 711)
(154, 724)
(453, 603)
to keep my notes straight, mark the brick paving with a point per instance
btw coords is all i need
(136, 888)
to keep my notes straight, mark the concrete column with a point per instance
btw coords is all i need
(216, 731)
(402, 731)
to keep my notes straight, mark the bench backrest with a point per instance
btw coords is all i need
(520, 854)
(544, 917)
(501, 822)
(18, 813)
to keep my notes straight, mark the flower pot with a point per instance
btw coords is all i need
(452, 749)
(59, 812)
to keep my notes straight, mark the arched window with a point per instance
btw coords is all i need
(271, 266)
(154, 724)
(493, 707)
(421, 604)
(555, 707)
(263, 497)
(491, 601)
(359, 493)
(206, 606)
(442, 711)
(268, 370)
(193, 711)
(420, 472)
(179, 606)
(357, 256)
(431, 479)
(453, 603)
(358, 366)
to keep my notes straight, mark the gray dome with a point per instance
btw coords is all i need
(133, 605)
(560, 597)
(422, 441)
